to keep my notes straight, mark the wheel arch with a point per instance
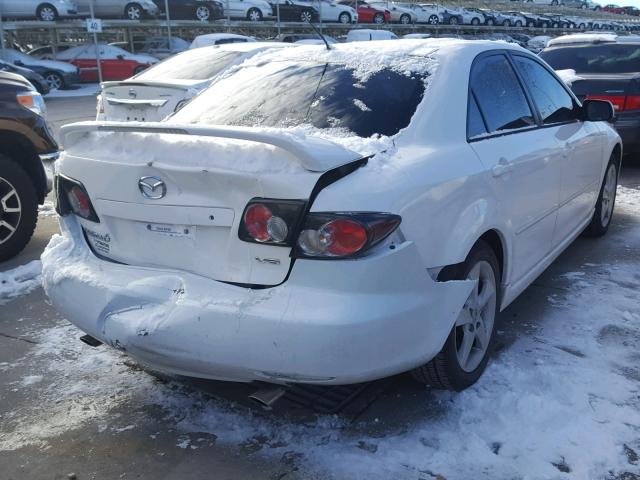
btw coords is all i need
(18, 148)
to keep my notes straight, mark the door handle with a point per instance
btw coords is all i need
(502, 168)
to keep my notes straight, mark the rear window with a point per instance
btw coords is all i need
(606, 58)
(326, 96)
(192, 65)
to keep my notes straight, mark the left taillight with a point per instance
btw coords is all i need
(72, 197)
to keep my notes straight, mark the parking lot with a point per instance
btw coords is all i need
(560, 399)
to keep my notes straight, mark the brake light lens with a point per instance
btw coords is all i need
(72, 197)
(343, 235)
(632, 102)
(271, 221)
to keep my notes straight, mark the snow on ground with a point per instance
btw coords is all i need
(20, 281)
(47, 209)
(560, 403)
(84, 90)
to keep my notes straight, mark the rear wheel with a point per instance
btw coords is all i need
(47, 13)
(344, 17)
(54, 80)
(530, 24)
(433, 20)
(18, 208)
(254, 15)
(203, 13)
(405, 19)
(490, 22)
(453, 21)
(518, 23)
(606, 201)
(378, 18)
(133, 11)
(554, 2)
(544, 24)
(305, 16)
(466, 351)
(506, 23)
(475, 21)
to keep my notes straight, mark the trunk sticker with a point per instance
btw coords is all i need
(99, 241)
(171, 230)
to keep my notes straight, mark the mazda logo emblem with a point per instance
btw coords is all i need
(152, 187)
(132, 93)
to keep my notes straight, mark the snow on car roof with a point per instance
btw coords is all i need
(582, 38)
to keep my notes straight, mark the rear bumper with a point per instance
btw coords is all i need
(628, 127)
(330, 322)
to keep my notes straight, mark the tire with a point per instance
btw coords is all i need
(17, 192)
(518, 23)
(133, 11)
(506, 23)
(203, 13)
(554, 2)
(490, 22)
(306, 17)
(555, 25)
(606, 202)
(453, 21)
(473, 335)
(475, 21)
(47, 13)
(544, 25)
(433, 20)
(405, 19)
(378, 18)
(54, 80)
(254, 15)
(531, 24)
(344, 18)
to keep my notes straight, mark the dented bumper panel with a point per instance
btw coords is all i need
(330, 322)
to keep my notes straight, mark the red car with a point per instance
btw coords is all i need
(611, 8)
(367, 13)
(116, 63)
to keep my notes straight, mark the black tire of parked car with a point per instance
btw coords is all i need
(405, 19)
(490, 22)
(517, 24)
(378, 18)
(544, 25)
(554, 2)
(555, 25)
(597, 227)
(254, 15)
(531, 24)
(444, 371)
(433, 20)
(46, 13)
(203, 13)
(133, 11)
(11, 174)
(54, 80)
(475, 21)
(344, 17)
(453, 20)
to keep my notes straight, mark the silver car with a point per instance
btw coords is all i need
(48, 11)
(129, 9)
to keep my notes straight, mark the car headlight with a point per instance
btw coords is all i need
(32, 101)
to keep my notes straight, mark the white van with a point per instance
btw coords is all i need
(365, 35)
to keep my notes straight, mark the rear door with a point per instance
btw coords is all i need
(581, 144)
(523, 161)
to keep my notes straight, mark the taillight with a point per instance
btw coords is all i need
(343, 235)
(272, 222)
(632, 102)
(72, 197)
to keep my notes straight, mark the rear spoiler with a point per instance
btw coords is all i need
(125, 83)
(314, 154)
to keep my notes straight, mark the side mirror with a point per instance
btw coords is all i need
(598, 111)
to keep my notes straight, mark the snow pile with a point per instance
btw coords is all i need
(568, 76)
(20, 281)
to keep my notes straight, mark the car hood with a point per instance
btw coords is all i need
(54, 65)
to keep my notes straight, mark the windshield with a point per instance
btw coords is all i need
(325, 96)
(199, 64)
(606, 58)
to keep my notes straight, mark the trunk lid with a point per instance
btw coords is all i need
(142, 101)
(209, 176)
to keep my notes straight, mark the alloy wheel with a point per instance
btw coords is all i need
(134, 12)
(10, 210)
(474, 325)
(305, 16)
(255, 15)
(54, 81)
(608, 195)
(47, 14)
(203, 13)
(405, 19)
(453, 21)
(433, 20)
(378, 18)
(344, 18)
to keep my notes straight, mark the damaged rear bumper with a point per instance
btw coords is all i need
(331, 322)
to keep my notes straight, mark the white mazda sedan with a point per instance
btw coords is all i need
(331, 216)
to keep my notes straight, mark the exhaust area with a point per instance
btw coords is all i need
(266, 397)
(89, 340)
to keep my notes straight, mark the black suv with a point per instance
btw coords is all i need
(607, 70)
(27, 154)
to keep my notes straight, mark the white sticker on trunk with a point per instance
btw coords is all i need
(170, 229)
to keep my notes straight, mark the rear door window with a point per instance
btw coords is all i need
(554, 103)
(605, 58)
(500, 96)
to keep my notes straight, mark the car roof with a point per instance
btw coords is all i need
(592, 38)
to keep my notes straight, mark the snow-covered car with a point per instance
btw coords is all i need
(333, 12)
(399, 14)
(210, 39)
(322, 216)
(424, 13)
(252, 10)
(116, 63)
(47, 11)
(515, 19)
(129, 9)
(367, 35)
(57, 74)
(166, 87)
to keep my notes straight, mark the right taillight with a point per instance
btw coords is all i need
(343, 235)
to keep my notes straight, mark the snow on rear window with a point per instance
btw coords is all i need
(199, 64)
